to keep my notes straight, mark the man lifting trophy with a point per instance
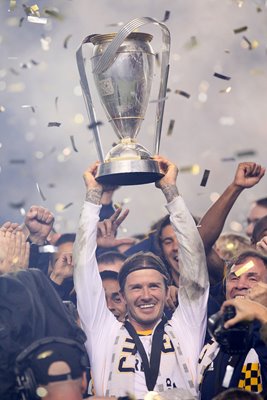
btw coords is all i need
(122, 67)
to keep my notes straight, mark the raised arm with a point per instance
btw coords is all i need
(247, 175)
(193, 281)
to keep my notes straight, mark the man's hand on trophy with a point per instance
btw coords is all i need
(94, 189)
(168, 182)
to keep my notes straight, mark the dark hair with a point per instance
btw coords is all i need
(236, 394)
(142, 260)
(262, 202)
(245, 254)
(109, 275)
(259, 228)
(65, 238)
(110, 257)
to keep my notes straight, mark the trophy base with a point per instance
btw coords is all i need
(128, 172)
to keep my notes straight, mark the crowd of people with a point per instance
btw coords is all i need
(180, 313)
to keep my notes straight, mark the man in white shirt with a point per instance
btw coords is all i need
(147, 352)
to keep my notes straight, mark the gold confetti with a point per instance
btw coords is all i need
(12, 5)
(244, 269)
(191, 43)
(54, 13)
(227, 90)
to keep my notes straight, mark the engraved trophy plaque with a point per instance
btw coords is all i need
(122, 67)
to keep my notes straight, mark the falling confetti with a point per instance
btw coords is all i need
(40, 192)
(246, 153)
(166, 16)
(36, 20)
(182, 93)
(56, 103)
(73, 143)
(54, 13)
(17, 161)
(97, 123)
(170, 128)
(66, 41)
(67, 206)
(221, 76)
(227, 90)
(205, 177)
(28, 106)
(242, 29)
(226, 159)
(2, 109)
(191, 43)
(50, 124)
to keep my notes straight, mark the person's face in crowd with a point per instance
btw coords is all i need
(170, 245)
(145, 294)
(114, 299)
(63, 248)
(116, 266)
(256, 212)
(239, 285)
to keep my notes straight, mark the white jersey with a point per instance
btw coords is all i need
(116, 372)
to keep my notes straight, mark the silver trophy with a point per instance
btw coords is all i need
(122, 67)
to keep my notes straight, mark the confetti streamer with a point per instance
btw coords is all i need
(56, 103)
(17, 161)
(226, 159)
(166, 16)
(73, 143)
(50, 124)
(182, 93)
(40, 192)
(28, 106)
(248, 42)
(66, 41)
(48, 248)
(246, 153)
(54, 13)
(170, 128)
(244, 269)
(221, 76)
(67, 206)
(242, 29)
(36, 20)
(97, 123)
(205, 178)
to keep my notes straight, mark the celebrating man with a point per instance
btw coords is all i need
(147, 352)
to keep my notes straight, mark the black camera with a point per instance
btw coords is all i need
(234, 340)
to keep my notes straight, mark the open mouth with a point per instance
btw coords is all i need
(146, 306)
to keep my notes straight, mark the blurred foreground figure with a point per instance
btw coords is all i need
(52, 368)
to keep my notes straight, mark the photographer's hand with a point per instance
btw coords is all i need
(246, 310)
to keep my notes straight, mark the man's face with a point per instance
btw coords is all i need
(256, 212)
(63, 248)
(170, 245)
(239, 285)
(145, 295)
(114, 299)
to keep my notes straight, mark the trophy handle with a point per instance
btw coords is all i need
(88, 99)
(108, 57)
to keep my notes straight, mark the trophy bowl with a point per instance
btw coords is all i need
(124, 90)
